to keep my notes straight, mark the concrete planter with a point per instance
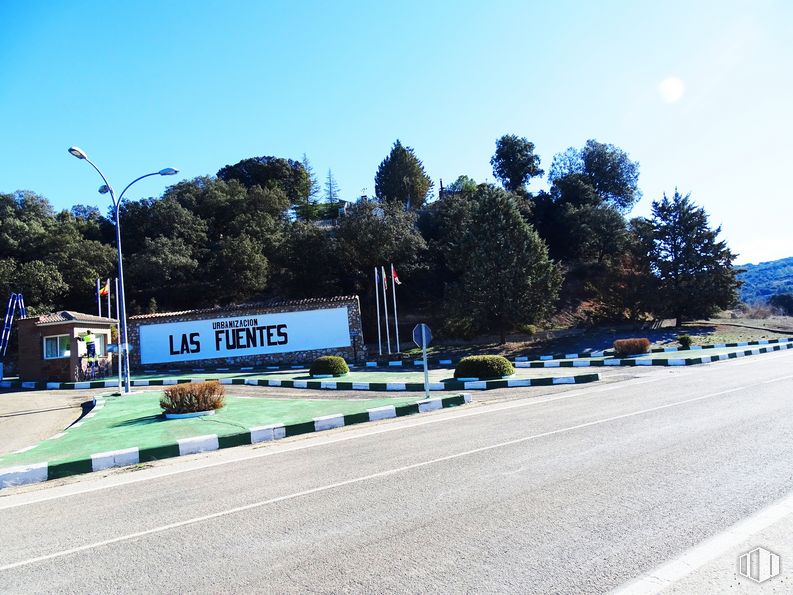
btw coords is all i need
(321, 376)
(187, 415)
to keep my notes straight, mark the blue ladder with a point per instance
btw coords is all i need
(15, 301)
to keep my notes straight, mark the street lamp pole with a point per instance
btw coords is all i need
(123, 358)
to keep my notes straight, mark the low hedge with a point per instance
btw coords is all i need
(685, 341)
(484, 367)
(329, 365)
(625, 347)
(193, 397)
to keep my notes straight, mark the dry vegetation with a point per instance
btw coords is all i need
(193, 397)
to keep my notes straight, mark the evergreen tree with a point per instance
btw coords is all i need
(312, 185)
(331, 189)
(692, 268)
(507, 277)
(309, 209)
(401, 178)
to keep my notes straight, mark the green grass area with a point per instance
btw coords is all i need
(406, 374)
(135, 420)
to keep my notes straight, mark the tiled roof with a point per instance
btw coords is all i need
(69, 316)
(274, 303)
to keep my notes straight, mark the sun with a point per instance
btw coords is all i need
(671, 89)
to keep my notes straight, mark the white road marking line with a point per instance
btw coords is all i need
(316, 441)
(364, 478)
(665, 575)
(76, 489)
(777, 379)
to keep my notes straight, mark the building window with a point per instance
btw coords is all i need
(57, 347)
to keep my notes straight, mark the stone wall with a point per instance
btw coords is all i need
(355, 353)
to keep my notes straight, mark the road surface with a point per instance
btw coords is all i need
(579, 492)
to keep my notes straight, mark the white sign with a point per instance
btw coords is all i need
(255, 334)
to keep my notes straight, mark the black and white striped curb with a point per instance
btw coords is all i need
(577, 355)
(24, 474)
(648, 361)
(722, 345)
(325, 384)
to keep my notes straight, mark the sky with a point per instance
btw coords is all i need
(699, 92)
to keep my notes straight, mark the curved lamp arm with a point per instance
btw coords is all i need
(156, 173)
(104, 179)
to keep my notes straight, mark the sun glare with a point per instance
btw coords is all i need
(671, 89)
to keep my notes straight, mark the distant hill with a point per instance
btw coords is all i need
(763, 280)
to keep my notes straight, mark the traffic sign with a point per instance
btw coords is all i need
(422, 337)
(417, 331)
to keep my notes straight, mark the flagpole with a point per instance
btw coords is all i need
(118, 339)
(108, 297)
(98, 298)
(385, 309)
(396, 318)
(377, 299)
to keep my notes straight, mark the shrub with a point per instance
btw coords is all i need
(193, 397)
(631, 346)
(329, 365)
(484, 366)
(528, 329)
(685, 341)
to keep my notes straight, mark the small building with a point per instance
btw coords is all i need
(294, 331)
(65, 347)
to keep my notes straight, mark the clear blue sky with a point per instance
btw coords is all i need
(700, 93)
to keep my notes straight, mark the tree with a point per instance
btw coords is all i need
(372, 234)
(309, 210)
(240, 267)
(40, 282)
(312, 185)
(331, 189)
(507, 277)
(606, 168)
(269, 172)
(401, 178)
(514, 163)
(312, 264)
(462, 185)
(693, 270)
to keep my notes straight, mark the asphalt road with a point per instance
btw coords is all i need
(30, 416)
(577, 492)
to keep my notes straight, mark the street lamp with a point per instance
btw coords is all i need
(168, 171)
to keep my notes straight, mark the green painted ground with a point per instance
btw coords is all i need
(135, 420)
(383, 375)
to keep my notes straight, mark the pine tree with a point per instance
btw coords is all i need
(331, 189)
(692, 268)
(401, 178)
(308, 209)
(508, 278)
(312, 185)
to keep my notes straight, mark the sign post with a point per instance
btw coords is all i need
(422, 337)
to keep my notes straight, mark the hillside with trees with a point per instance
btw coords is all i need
(765, 280)
(476, 258)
